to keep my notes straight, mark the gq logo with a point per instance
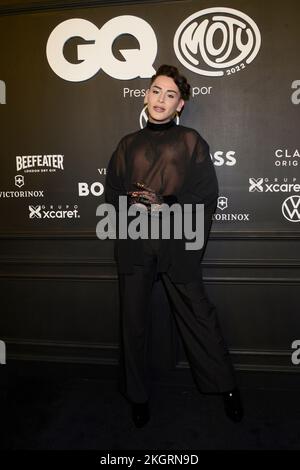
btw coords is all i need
(93, 57)
(195, 41)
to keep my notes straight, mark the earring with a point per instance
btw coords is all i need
(176, 117)
(145, 109)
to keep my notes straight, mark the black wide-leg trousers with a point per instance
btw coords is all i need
(196, 320)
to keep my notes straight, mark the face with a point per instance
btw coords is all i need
(163, 99)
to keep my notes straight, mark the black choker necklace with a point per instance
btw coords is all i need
(160, 127)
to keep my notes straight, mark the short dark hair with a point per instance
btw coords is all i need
(180, 80)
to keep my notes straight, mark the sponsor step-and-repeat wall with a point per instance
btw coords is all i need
(72, 84)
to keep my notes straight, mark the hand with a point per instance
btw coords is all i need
(144, 195)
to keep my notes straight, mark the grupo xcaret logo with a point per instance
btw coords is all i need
(238, 37)
(52, 212)
(264, 185)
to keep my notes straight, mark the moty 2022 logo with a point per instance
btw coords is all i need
(238, 39)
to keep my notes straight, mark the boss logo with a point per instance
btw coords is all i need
(96, 189)
(217, 41)
(221, 158)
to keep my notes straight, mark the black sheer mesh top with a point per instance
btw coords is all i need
(171, 159)
(175, 162)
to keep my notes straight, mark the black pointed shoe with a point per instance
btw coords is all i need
(140, 413)
(233, 405)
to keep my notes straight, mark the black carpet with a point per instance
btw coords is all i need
(55, 406)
